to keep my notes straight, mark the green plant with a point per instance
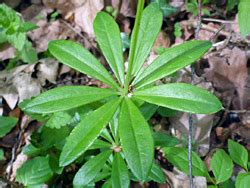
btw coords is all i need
(7, 123)
(243, 9)
(221, 163)
(167, 10)
(192, 7)
(13, 30)
(127, 140)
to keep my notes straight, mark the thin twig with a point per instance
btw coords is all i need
(212, 38)
(190, 130)
(219, 21)
(17, 146)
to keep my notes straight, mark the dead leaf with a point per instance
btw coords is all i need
(85, 15)
(126, 8)
(18, 84)
(47, 70)
(202, 126)
(47, 32)
(7, 53)
(162, 40)
(83, 11)
(180, 180)
(228, 71)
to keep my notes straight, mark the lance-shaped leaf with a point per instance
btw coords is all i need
(90, 169)
(120, 176)
(64, 98)
(243, 17)
(109, 39)
(87, 131)
(182, 97)
(136, 140)
(172, 60)
(78, 58)
(150, 25)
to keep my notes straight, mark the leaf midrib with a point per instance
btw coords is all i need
(143, 78)
(136, 141)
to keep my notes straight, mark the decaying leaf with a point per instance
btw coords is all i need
(228, 71)
(83, 12)
(202, 125)
(180, 180)
(18, 83)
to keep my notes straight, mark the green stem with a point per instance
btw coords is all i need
(140, 6)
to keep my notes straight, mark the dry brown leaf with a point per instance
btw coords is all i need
(162, 40)
(7, 53)
(47, 70)
(85, 15)
(83, 11)
(180, 180)
(228, 71)
(18, 84)
(202, 126)
(48, 31)
(126, 8)
(206, 34)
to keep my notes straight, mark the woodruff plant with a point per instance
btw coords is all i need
(132, 153)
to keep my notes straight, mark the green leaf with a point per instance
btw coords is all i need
(107, 183)
(120, 176)
(100, 144)
(177, 30)
(31, 151)
(108, 37)
(222, 166)
(243, 180)
(179, 158)
(150, 26)
(2, 155)
(171, 60)
(238, 153)
(53, 137)
(164, 140)
(125, 41)
(182, 97)
(156, 174)
(231, 4)
(244, 16)
(28, 53)
(17, 40)
(148, 110)
(65, 98)
(7, 123)
(34, 172)
(227, 184)
(87, 131)
(166, 9)
(29, 26)
(166, 112)
(90, 169)
(58, 120)
(78, 58)
(136, 140)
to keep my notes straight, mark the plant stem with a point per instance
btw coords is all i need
(140, 6)
(190, 130)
